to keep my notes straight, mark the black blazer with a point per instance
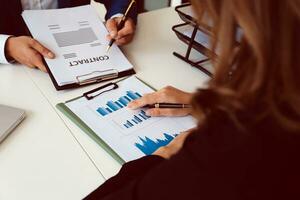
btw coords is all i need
(219, 162)
(11, 22)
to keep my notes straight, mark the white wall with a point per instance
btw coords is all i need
(100, 9)
(156, 4)
(175, 2)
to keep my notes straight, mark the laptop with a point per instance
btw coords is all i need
(10, 118)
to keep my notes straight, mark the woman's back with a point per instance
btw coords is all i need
(247, 142)
(260, 162)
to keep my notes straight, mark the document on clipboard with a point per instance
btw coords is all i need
(126, 134)
(77, 36)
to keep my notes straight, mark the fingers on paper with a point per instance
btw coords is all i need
(41, 49)
(35, 60)
(147, 99)
(161, 96)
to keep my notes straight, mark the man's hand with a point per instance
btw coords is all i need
(166, 95)
(123, 36)
(27, 51)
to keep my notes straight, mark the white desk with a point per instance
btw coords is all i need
(41, 159)
(50, 156)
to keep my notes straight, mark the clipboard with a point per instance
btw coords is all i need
(95, 75)
(113, 74)
(86, 129)
(125, 134)
(83, 126)
(108, 75)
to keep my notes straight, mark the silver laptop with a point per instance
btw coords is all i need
(10, 118)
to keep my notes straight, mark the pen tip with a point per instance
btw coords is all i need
(108, 47)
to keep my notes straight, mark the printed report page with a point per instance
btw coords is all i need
(130, 133)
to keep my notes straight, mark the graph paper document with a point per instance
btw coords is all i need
(129, 133)
(77, 36)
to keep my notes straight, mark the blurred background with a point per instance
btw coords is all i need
(144, 5)
(148, 5)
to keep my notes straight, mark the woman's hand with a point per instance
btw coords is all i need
(166, 95)
(27, 51)
(173, 147)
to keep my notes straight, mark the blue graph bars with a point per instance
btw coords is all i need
(120, 103)
(148, 146)
(139, 118)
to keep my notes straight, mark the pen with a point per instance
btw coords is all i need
(121, 24)
(168, 105)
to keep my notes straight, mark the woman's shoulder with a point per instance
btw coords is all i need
(224, 129)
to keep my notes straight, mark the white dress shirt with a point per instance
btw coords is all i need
(39, 4)
(31, 5)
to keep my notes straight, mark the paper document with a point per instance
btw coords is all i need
(130, 133)
(77, 36)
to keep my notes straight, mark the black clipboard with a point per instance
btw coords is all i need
(106, 77)
(98, 79)
(89, 95)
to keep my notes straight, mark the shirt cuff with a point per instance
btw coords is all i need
(117, 15)
(3, 39)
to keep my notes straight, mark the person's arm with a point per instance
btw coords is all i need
(211, 165)
(180, 177)
(161, 179)
(115, 10)
(26, 50)
(129, 172)
(114, 7)
(3, 39)
(165, 95)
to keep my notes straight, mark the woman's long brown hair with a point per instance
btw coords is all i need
(263, 71)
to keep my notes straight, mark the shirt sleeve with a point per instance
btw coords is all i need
(118, 6)
(117, 15)
(130, 171)
(3, 39)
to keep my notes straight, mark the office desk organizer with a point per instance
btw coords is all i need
(186, 14)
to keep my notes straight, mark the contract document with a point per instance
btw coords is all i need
(131, 134)
(77, 36)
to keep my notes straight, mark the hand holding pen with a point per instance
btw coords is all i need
(168, 101)
(121, 29)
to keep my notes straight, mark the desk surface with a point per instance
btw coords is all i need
(41, 159)
(50, 157)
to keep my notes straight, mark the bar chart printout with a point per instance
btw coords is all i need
(136, 119)
(148, 146)
(122, 102)
(131, 134)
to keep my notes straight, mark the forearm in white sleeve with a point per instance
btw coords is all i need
(117, 15)
(3, 39)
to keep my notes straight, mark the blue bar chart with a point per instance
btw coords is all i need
(122, 102)
(136, 119)
(148, 146)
